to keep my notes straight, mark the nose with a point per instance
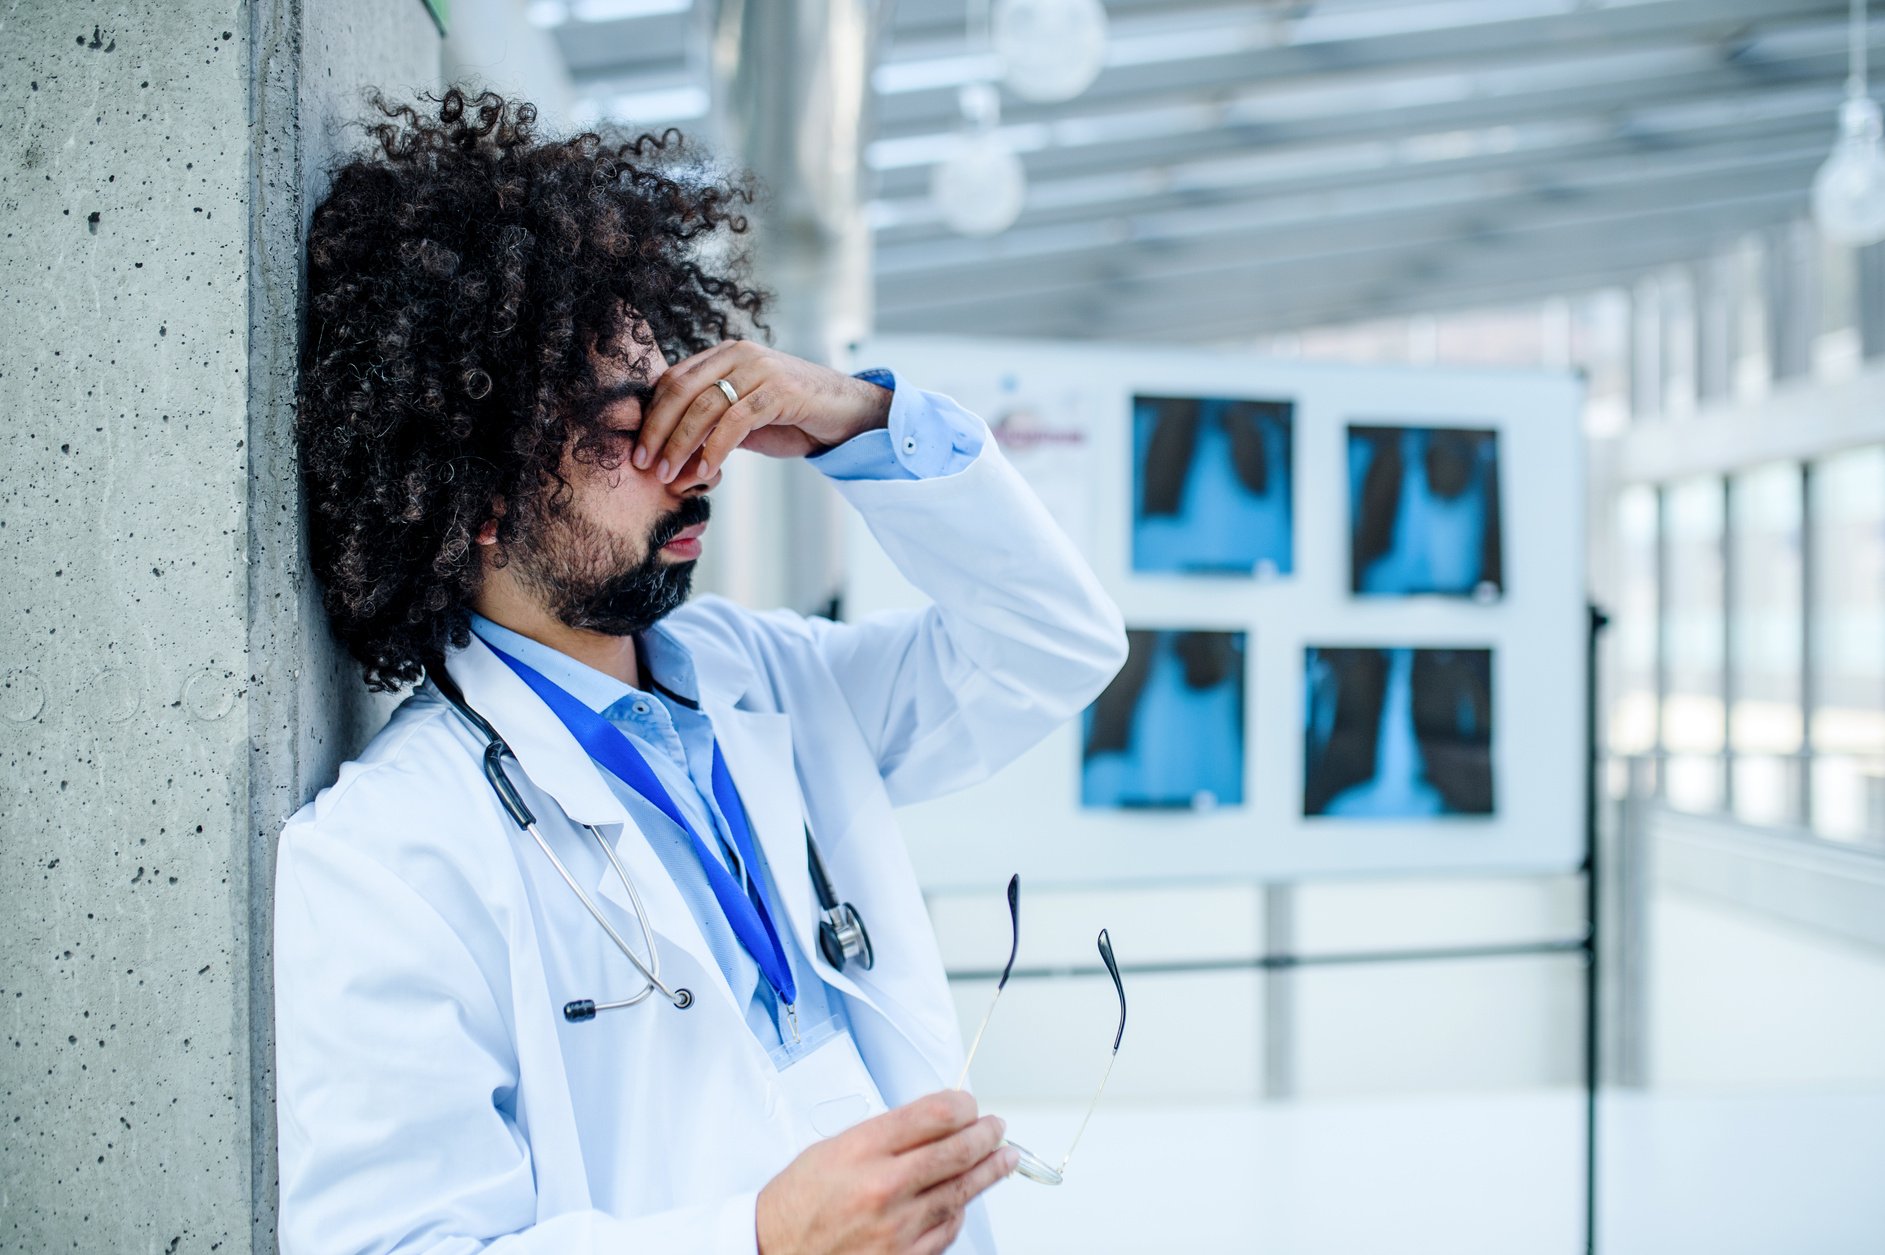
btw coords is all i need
(690, 482)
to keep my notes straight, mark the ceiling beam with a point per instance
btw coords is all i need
(941, 23)
(1297, 291)
(1262, 174)
(1237, 60)
(616, 54)
(1102, 144)
(1550, 169)
(1468, 210)
(1188, 323)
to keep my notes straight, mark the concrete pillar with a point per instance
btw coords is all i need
(168, 689)
(1792, 291)
(1717, 296)
(790, 91)
(1870, 266)
(1679, 337)
(1281, 1030)
(1646, 326)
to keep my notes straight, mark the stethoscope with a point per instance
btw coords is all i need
(842, 936)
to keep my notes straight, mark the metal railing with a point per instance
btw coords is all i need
(1813, 796)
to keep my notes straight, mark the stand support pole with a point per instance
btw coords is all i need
(1593, 894)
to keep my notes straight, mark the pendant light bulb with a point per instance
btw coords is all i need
(1849, 191)
(1050, 50)
(980, 185)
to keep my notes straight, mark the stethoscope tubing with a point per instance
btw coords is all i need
(651, 970)
(842, 932)
(495, 750)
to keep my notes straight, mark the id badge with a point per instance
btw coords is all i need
(828, 1089)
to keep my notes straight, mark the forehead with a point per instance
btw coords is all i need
(628, 355)
(628, 372)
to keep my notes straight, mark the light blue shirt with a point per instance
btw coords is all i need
(928, 436)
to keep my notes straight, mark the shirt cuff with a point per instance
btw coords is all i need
(929, 436)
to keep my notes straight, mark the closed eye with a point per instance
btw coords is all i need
(626, 401)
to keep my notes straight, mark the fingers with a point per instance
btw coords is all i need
(710, 413)
(959, 1191)
(943, 1204)
(674, 392)
(755, 410)
(954, 1155)
(919, 1123)
(939, 1237)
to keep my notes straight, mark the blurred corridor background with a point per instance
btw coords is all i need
(1603, 210)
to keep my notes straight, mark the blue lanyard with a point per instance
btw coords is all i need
(750, 920)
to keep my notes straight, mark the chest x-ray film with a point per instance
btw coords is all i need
(1212, 486)
(1169, 730)
(1356, 715)
(1424, 512)
(1397, 733)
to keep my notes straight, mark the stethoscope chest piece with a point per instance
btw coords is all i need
(583, 1009)
(842, 937)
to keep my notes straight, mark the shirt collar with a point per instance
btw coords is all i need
(697, 654)
(595, 689)
(667, 663)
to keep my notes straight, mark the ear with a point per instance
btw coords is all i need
(487, 534)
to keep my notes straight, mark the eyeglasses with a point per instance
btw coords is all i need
(1031, 1165)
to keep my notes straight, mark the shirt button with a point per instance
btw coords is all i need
(640, 708)
(909, 444)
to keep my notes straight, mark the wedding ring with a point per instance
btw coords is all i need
(733, 398)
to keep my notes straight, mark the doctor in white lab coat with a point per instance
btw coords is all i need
(432, 1097)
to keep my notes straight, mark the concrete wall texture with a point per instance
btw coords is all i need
(168, 690)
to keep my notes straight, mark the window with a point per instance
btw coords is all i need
(1846, 504)
(1765, 643)
(1632, 724)
(1694, 722)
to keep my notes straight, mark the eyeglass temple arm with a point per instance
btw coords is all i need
(1014, 948)
(1112, 968)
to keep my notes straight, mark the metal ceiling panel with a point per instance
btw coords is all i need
(615, 53)
(1231, 173)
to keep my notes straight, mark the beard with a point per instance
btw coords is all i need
(595, 582)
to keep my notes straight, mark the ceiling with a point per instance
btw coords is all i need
(1243, 168)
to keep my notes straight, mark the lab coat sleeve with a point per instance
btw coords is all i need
(927, 434)
(396, 1084)
(1019, 636)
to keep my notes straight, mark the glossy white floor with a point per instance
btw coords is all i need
(1763, 1174)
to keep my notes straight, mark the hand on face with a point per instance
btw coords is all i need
(787, 407)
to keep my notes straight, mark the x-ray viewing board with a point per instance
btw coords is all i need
(1065, 415)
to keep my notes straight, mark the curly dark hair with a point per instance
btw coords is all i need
(460, 275)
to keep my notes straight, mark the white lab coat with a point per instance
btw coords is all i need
(431, 1098)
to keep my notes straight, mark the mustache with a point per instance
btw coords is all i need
(693, 511)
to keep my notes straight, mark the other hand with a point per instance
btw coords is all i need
(787, 407)
(896, 1184)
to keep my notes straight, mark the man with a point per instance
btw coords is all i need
(507, 485)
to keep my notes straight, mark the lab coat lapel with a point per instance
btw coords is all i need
(758, 750)
(553, 763)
